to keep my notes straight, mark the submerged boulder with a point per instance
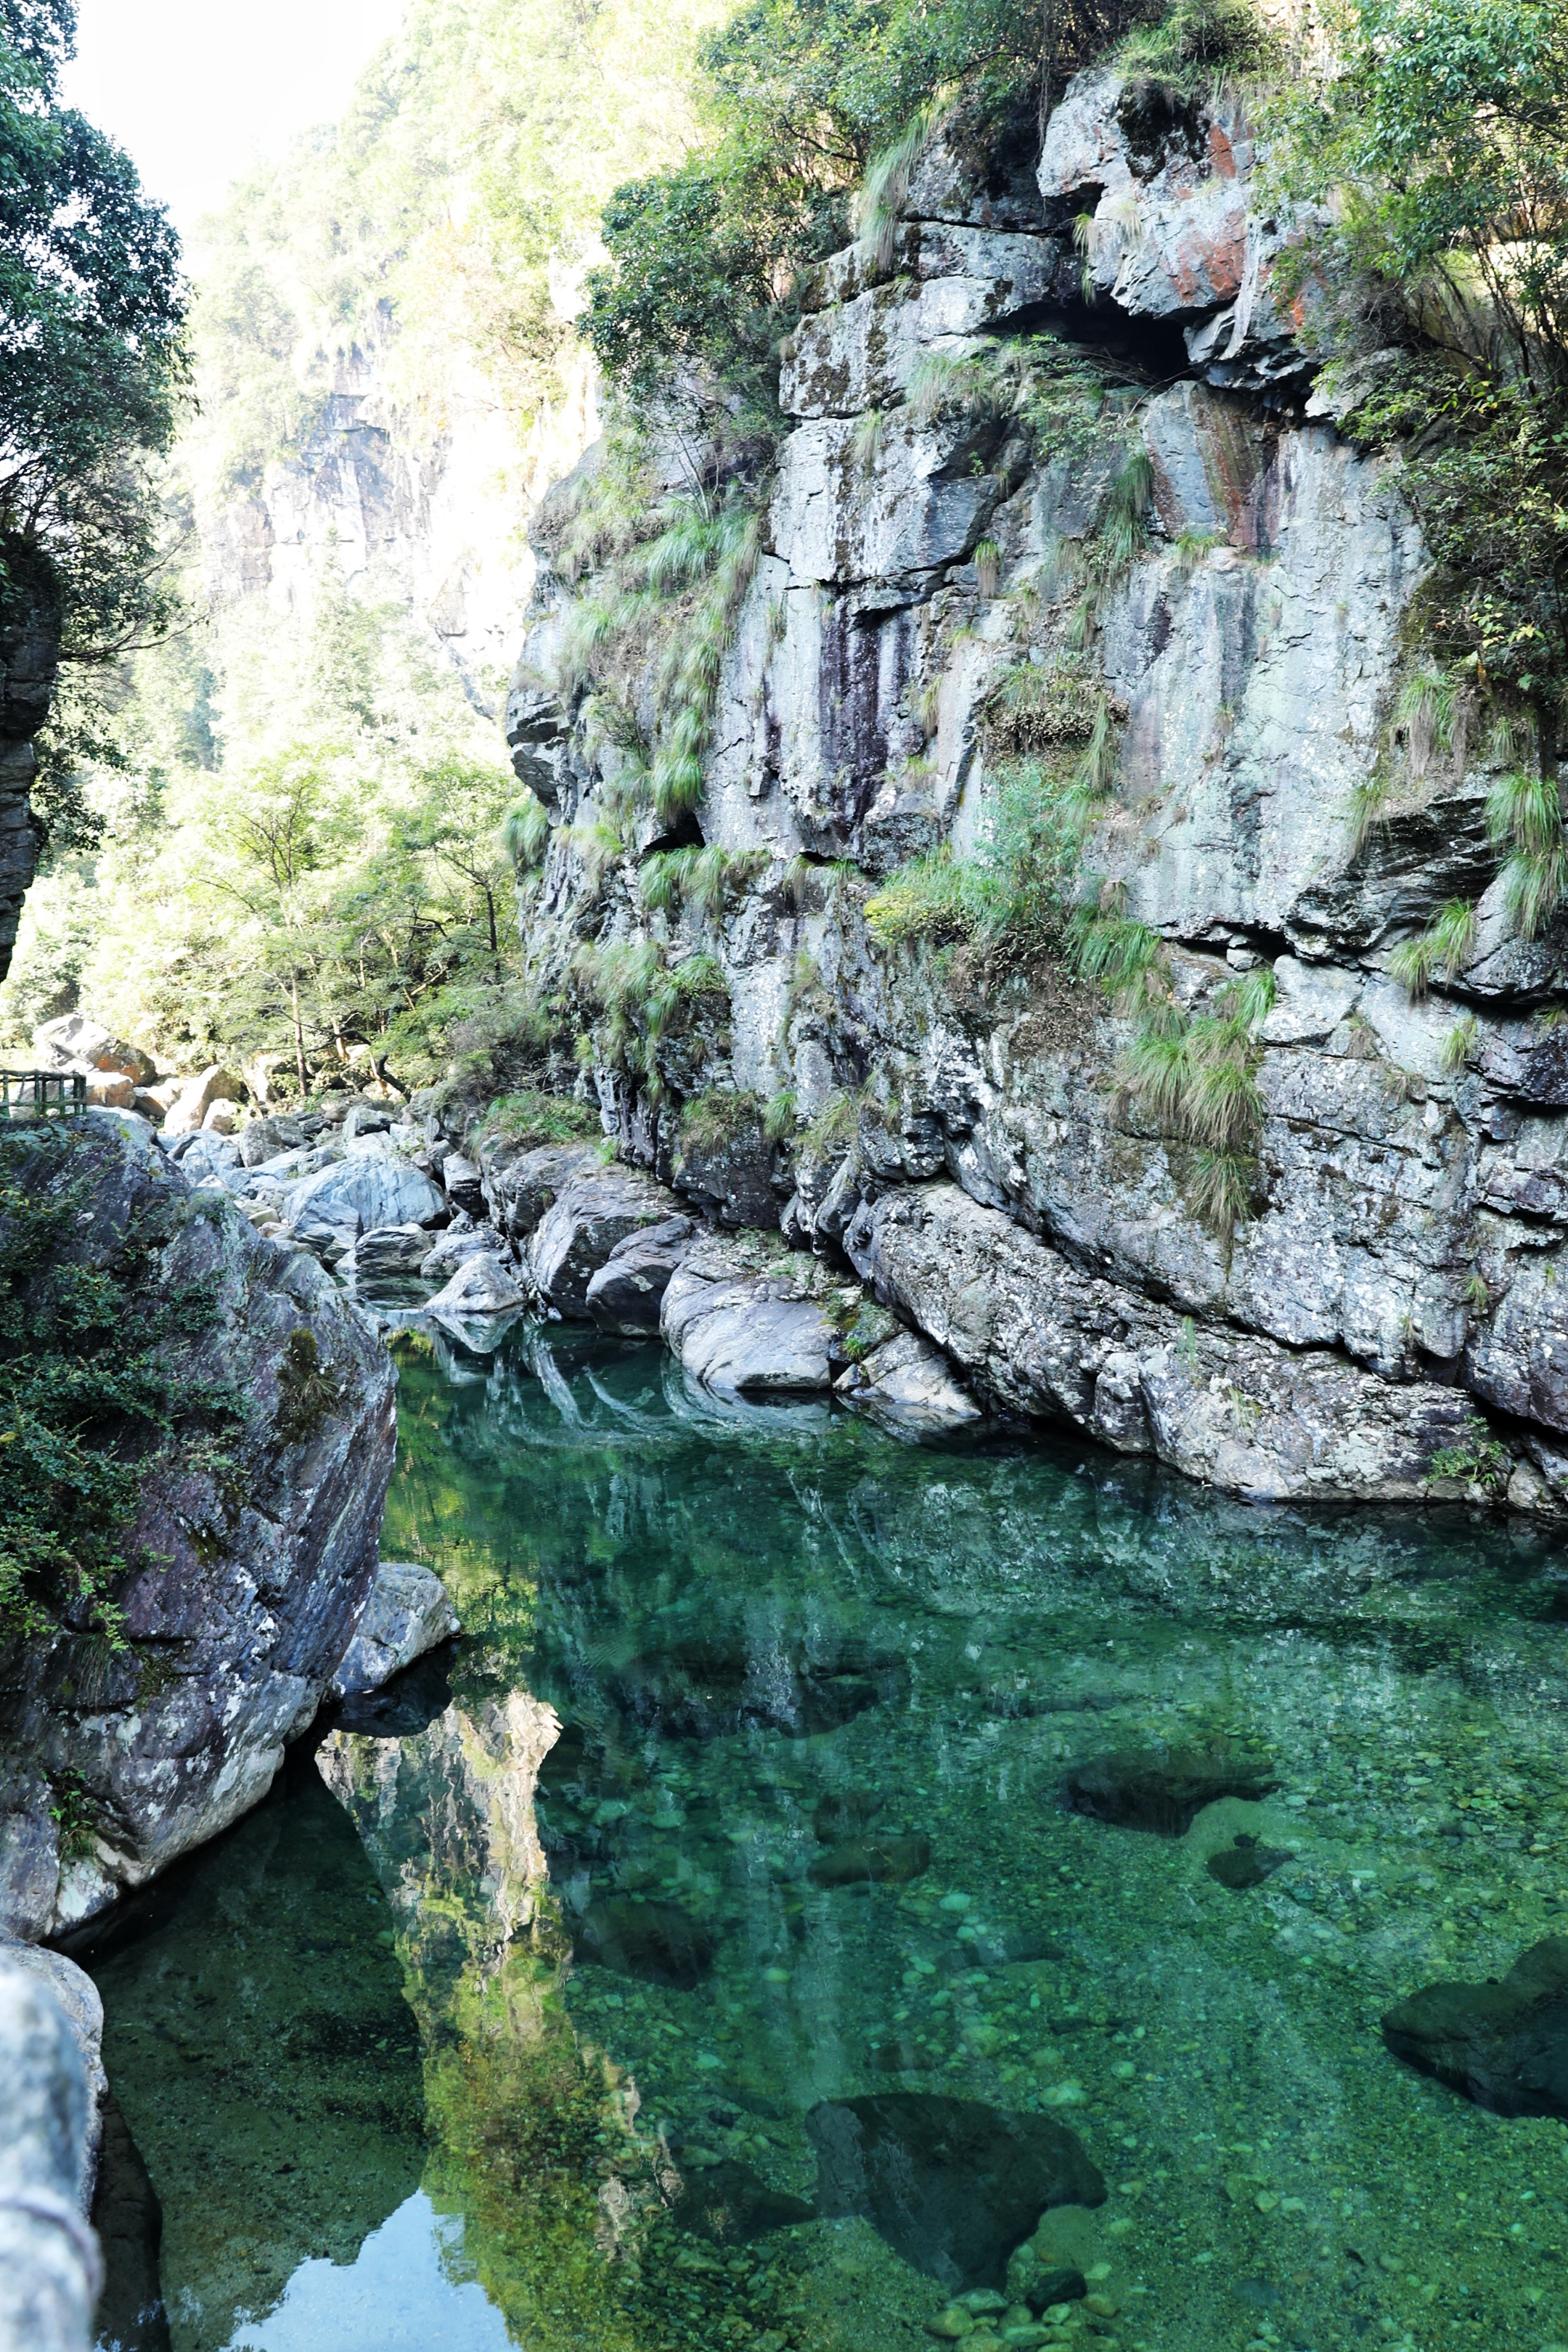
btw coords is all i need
(705, 1687)
(657, 1942)
(1504, 2045)
(953, 2184)
(1247, 1863)
(729, 2204)
(872, 1860)
(1146, 1789)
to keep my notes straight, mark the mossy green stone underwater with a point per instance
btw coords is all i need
(796, 1886)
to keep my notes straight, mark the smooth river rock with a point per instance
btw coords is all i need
(594, 1211)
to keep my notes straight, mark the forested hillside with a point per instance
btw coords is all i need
(284, 797)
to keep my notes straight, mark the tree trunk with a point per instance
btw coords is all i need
(299, 1034)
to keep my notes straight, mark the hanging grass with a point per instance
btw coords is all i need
(878, 203)
(524, 835)
(1525, 809)
(1446, 946)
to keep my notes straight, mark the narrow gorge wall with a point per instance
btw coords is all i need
(1392, 1283)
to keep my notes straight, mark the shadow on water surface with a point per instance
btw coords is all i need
(718, 1946)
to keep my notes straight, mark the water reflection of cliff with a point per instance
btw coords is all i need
(265, 2059)
(518, 2114)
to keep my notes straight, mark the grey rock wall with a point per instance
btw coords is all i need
(50, 2267)
(1393, 1291)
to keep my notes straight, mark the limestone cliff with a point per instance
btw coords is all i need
(1388, 1291)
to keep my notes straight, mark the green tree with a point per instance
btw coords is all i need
(91, 352)
(803, 103)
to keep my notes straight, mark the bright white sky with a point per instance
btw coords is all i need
(196, 90)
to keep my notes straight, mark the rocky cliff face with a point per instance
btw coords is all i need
(1388, 1291)
(251, 1553)
(402, 506)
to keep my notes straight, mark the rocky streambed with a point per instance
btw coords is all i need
(811, 1832)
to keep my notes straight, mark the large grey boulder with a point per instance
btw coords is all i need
(360, 1194)
(267, 1139)
(484, 1285)
(1238, 1411)
(407, 1612)
(81, 2005)
(392, 1250)
(75, 1040)
(197, 1097)
(50, 2267)
(463, 1184)
(627, 1292)
(744, 1320)
(596, 1209)
(248, 1559)
(456, 1247)
(519, 1180)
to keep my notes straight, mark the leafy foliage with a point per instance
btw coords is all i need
(335, 887)
(92, 370)
(814, 113)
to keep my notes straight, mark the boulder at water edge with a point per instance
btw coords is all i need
(627, 1292)
(49, 2262)
(407, 1612)
(251, 1550)
(484, 1285)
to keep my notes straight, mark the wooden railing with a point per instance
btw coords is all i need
(42, 1094)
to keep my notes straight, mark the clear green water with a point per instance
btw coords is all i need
(382, 2103)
